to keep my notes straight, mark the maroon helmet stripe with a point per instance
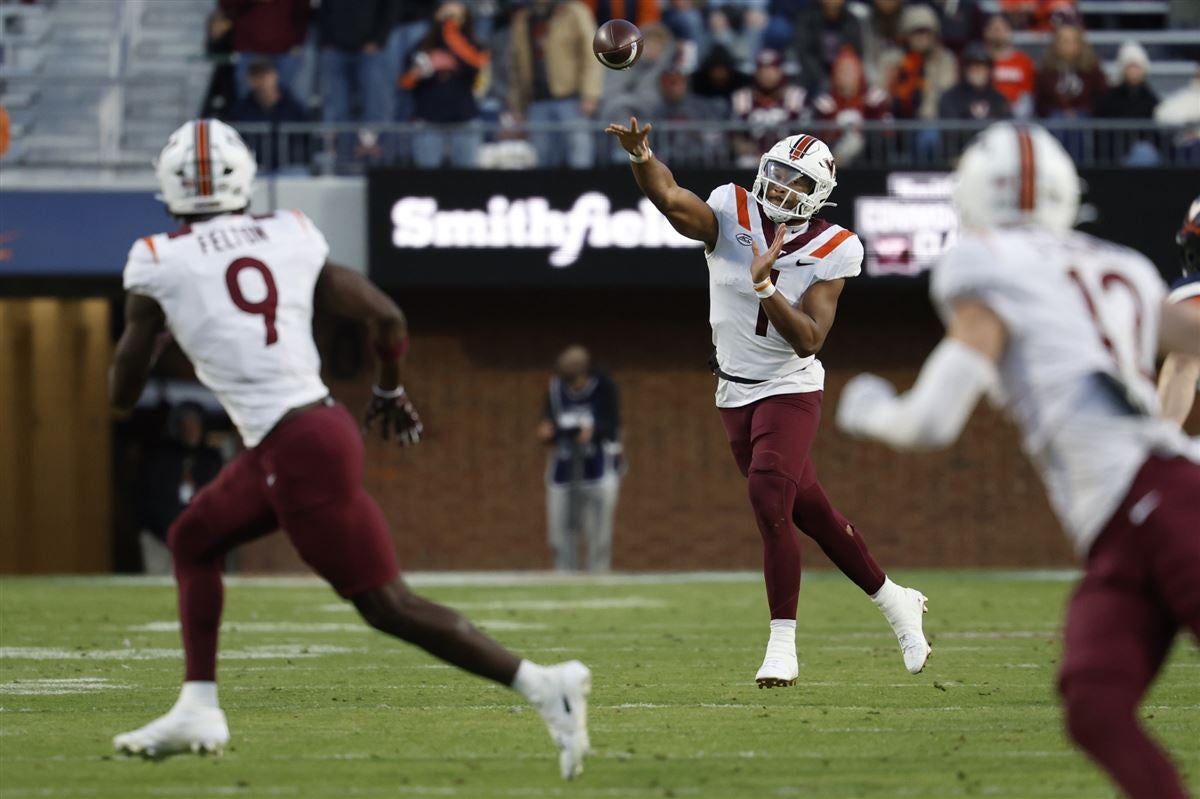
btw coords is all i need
(203, 159)
(1028, 170)
(801, 147)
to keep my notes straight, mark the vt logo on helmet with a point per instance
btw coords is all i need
(205, 168)
(795, 178)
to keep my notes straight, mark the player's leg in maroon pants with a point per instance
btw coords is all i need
(316, 489)
(771, 440)
(227, 512)
(1142, 583)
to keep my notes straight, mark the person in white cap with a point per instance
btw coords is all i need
(1130, 96)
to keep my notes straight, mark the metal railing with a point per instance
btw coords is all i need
(307, 148)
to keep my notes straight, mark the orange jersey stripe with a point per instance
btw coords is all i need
(743, 207)
(834, 242)
(150, 244)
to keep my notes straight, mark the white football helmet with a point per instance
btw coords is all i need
(787, 160)
(1016, 174)
(205, 168)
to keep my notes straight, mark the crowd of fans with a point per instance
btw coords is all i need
(762, 67)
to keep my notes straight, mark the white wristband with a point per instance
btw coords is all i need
(764, 289)
(643, 159)
(384, 393)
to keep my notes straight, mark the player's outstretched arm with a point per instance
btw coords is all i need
(136, 351)
(933, 413)
(347, 293)
(686, 212)
(1177, 385)
(1179, 335)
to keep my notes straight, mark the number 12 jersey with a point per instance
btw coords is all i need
(237, 292)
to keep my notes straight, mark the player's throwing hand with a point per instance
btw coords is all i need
(392, 412)
(760, 267)
(632, 138)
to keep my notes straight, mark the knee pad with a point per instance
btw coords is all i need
(185, 536)
(769, 487)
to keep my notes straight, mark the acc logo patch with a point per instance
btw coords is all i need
(744, 239)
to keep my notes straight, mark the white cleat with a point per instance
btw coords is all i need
(906, 615)
(779, 668)
(565, 712)
(190, 728)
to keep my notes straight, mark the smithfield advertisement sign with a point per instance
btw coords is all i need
(531, 223)
(542, 228)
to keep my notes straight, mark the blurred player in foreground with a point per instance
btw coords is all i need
(1180, 377)
(775, 275)
(1063, 329)
(237, 293)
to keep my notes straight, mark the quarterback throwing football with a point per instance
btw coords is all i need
(775, 275)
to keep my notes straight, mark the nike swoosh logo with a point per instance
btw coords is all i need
(566, 705)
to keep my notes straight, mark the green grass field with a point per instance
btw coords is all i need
(321, 707)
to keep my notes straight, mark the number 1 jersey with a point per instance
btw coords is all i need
(237, 291)
(1077, 375)
(748, 345)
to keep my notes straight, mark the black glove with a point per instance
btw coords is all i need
(395, 415)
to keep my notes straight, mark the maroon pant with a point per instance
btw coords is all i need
(306, 478)
(1141, 584)
(771, 440)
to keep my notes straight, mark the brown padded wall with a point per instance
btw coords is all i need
(471, 495)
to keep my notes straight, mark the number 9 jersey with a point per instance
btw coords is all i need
(237, 292)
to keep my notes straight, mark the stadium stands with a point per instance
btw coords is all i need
(101, 83)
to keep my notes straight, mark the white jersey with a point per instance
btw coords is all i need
(748, 346)
(1077, 376)
(237, 291)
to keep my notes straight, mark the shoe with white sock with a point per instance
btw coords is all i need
(185, 728)
(562, 704)
(780, 667)
(904, 609)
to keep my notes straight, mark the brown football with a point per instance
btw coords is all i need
(617, 44)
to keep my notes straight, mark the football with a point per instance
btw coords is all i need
(617, 44)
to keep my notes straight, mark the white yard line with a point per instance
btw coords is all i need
(279, 651)
(315, 627)
(59, 686)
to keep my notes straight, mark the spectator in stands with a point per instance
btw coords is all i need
(781, 26)
(974, 97)
(1131, 97)
(1013, 71)
(631, 92)
(718, 75)
(1039, 15)
(849, 102)
(555, 78)
(412, 21)
(962, 22)
(676, 103)
(739, 28)
(354, 67)
(639, 12)
(881, 34)
(821, 32)
(1070, 80)
(273, 29)
(686, 22)
(441, 73)
(222, 93)
(770, 107)
(1182, 108)
(581, 421)
(924, 70)
(267, 102)
(170, 476)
